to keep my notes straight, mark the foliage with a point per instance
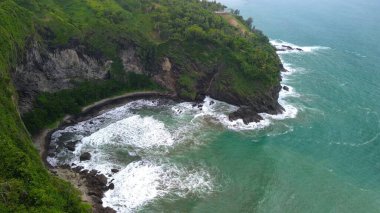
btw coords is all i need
(188, 32)
(51, 107)
(25, 185)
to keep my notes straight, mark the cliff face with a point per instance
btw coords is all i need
(51, 70)
(182, 45)
(212, 71)
(44, 70)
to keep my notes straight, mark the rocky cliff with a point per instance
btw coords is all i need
(45, 69)
(59, 54)
(52, 70)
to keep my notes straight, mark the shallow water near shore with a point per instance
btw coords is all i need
(322, 155)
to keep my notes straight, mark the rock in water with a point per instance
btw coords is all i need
(85, 156)
(246, 114)
(71, 146)
(285, 88)
(114, 170)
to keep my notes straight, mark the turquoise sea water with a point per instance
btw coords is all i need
(325, 159)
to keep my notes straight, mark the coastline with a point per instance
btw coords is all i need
(91, 185)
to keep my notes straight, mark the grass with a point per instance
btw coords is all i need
(105, 27)
(233, 21)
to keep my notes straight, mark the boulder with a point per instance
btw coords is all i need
(111, 186)
(285, 88)
(71, 146)
(246, 114)
(115, 170)
(85, 156)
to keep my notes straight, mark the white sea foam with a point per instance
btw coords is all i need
(218, 111)
(305, 49)
(93, 124)
(142, 182)
(135, 132)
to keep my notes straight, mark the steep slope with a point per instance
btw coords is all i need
(25, 185)
(57, 56)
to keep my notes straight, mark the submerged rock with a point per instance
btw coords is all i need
(85, 156)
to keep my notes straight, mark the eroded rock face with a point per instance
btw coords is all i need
(165, 76)
(131, 62)
(45, 70)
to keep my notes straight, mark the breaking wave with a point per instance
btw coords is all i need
(143, 181)
(280, 44)
(140, 144)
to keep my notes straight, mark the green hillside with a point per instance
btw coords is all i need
(200, 43)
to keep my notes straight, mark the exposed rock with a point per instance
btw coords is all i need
(282, 68)
(77, 169)
(287, 47)
(166, 65)
(267, 102)
(246, 114)
(91, 183)
(107, 210)
(165, 76)
(131, 61)
(111, 186)
(286, 88)
(85, 156)
(96, 199)
(71, 146)
(44, 70)
(299, 49)
(114, 170)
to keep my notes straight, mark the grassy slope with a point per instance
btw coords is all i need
(25, 185)
(189, 32)
(232, 20)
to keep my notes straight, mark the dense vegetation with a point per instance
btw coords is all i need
(52, 107)
(189, 32)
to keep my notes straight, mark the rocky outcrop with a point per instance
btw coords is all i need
(85, 156)
(287, 48)
(245, 113)
(166, 77)
(208, 83)
(131, 62)
(44, 70)
(96, 185)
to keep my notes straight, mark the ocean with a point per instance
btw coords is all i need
(321, 155)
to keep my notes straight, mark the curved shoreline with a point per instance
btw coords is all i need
(42, 139)
(79, 179)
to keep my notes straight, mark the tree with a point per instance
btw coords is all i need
(195, 31)
(249, 22)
